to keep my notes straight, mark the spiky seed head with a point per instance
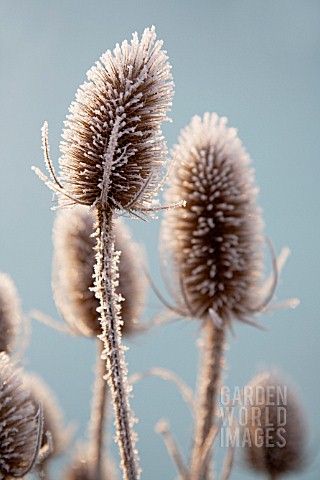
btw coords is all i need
(275, 430)
(216, 240)
(112, 149)
(55, 435)
(10, 313)
(73, 268)
(19, 424)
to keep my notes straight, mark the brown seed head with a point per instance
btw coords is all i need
(275, 432)
(112, 148)
(216, 240)
(19, 424)
(73, 267)
(10, 313)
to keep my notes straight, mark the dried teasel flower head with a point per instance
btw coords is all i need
(55, 435)
(20, 424)
(275, 430)
(10, 313)
(113, 152)
(81, 467)
(216, 241)
(73, 268)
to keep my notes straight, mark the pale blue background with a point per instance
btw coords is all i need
(256, 62)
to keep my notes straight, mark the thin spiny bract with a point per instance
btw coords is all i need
(73, 268)
(216, 241)
(20, 424)
(275, 430)
(10, 313)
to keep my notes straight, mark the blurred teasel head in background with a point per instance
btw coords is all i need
(275, 431)
(73, 267)
(10, 313)
(80, 467)
(20, 423)
(216, 241)
(55, 436)
(113, 152)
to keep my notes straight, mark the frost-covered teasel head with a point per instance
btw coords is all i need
(113, 152)
(10, 313)
(20, 424)
(275, 430)
(216, 241)
(73, 267)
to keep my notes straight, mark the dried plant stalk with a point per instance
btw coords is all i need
(98, 413)
(109, 310)
(209, 383)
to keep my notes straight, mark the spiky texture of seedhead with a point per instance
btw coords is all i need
(73, 268)
(55, 435)
(20, 425)
(10, 313)
(216, 240)
(275, 431)
(113, 152)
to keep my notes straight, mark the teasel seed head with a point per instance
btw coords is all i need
(113, 152)
(275, 431)
(81, 467)
(216, 241)
(20, 424)
(73, 268)
(55, 435)
(10, 313)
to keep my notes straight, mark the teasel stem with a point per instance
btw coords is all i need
(105, 282)
(98, 413)
(208, 388)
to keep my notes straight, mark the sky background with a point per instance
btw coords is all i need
(255, 62)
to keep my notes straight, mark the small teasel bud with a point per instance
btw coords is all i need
(274, 430)
(55, 435)
(20, 424)
(216, 241)
(10, 313)
(113, 152)
(73, 268)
